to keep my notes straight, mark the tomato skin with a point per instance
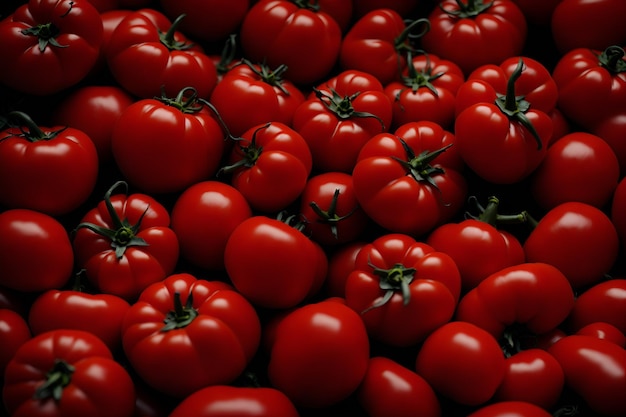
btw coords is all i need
(100, 314)
(602, 302)
(53, 171)
(596, 370)
(468, 352)
(583, 24)
(229, 401)
(510, 408)
(533, 376)
(560, 177)
(147, 67)
(261, 256)
(79, 32)
(270, 165)
(577, 238)
(612, 129)
(605, 331)
(281, 32)
(94, 110)
(163, 149)
(14, 332)
(203, 217)
(389, 388)
(226, 331)
(432, 278)
(326, 126)
(319, 354)
(493, 35)
(340, 264)
(27, 235)
(96, 379)
(617, 210)
(127, 273)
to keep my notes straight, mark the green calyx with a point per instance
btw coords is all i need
(123, 235)
(46, 33)
(308, 4)
(29, 130)
(330, 216)
(515, 107)
(269, 76)
(420, 79)
(612, 58)
(342, 106)
(249, 150)
(168, 38)
(469, 9)
(186, 100)
(419, 167)
(57, 379)
(413, 30)
(182, 315)
(397, 278)
(490, 215)
(292, 220)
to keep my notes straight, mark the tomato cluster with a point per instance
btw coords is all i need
(312, 207)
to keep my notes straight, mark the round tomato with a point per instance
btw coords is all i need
(617, 210)
(603, 330)
(14, 332)
(602, 302)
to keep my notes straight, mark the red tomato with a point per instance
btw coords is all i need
(577, 238)
(331, 211)
(100, 314)
(252, 94)
(67, 372)
(472, 33)
(477, 246)
(602, 302)
(229, 401)
(578, 167)
(165, 145)
(470, 355)
(262, 255)
(270, 165)
(389, 388)
(510, 408)
(184, 334)
(596, 370)
(94, 110)
(300, 36)
(399, 280)
(617, 210)
(533, 376)
(377, 43)
(340, 264)
(400, 183)
(343, 113)
(29, 235)
(203, 217)
(49, 169)
(319, 355)
(592, 84)
(605, 331)
(148, 56)
(588, 24)
(14, 332)
(125, 243)
(207, 21)
(62, 36)
(612, 130)
(110, 19)
(427, 91)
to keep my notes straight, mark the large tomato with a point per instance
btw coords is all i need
(61, 36)
(602, 302)
(67, 372)
(184, 334)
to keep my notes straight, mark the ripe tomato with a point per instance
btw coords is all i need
(319, 354)
(472, 33)
(509, 408)
(603, 330)
(577, 238)
(125, 243)
(231, 401)
(185, 333)
(203, 217)
(612, 129)
(399, 280)
(28, 235)
(14, 332)
(62, 36)
(579, 167)
(340, 264)
(389, 388)
(468, 353)
(263, 253)
(270, 165)
(296, 34)
(49, 169)
(165, 145)
(617, 210)
(602, 302)
(67, 372)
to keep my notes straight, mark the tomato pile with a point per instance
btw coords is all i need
(312, 208)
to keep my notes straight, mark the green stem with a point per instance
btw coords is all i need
(182, 315)
(612, 58)
(330, 216)
(397, 278)
(168, 38)
(57, 379)
(29, 130)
